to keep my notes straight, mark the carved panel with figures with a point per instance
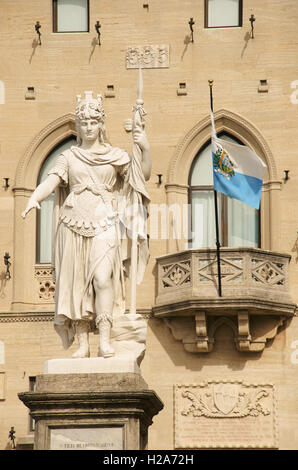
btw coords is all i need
(148, 57)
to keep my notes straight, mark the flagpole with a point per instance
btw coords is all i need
(216, 211)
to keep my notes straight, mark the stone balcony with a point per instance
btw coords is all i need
(255, 299)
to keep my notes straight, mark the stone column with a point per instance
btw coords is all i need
(84, 411)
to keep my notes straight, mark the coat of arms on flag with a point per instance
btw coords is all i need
(222, 163)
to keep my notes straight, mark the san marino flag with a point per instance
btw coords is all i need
(237, 171)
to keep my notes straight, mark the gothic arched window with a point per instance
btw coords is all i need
(44, 216)
(238, 223)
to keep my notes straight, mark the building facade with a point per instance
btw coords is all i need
(213, 360)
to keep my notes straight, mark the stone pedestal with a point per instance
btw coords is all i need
(85, 411)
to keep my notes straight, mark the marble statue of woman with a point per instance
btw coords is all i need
(94, 185)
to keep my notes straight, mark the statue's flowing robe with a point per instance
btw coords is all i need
(91, 227)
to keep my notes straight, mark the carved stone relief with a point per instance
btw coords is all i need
(149, 57)
(268, 272)
(225, 414)
(231, 269)
(176, 274)
(250, 333)
(46, 286)
(259, 270)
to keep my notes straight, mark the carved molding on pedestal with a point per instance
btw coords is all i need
(99, 402)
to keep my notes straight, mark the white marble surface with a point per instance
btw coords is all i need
(96, 365)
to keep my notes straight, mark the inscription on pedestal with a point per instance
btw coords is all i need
(225, 414)
(99, 438)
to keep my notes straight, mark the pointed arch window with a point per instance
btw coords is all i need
(239, 224)
(44, 216)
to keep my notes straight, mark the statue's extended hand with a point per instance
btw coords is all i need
(140, 138)
(30, 205)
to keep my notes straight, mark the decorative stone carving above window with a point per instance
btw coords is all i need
(255, 303)
(149, 57)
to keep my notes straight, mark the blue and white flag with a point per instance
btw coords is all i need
(238, 172)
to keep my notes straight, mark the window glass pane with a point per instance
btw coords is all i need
(203, 219)
(202, 172)
(223, 13)
(45, 215)
(72, 15)
(242, 224)
(45, 229)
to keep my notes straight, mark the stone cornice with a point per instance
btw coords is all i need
(48, 315)
(15, 317)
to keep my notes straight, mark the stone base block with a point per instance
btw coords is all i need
(85, 411)
(91, 365)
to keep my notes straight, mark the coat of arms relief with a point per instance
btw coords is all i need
(226, 400)
(225, 414)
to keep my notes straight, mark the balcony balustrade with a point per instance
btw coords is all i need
(255, 299)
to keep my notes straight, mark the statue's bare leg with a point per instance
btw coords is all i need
(104, 301)
(82, 333)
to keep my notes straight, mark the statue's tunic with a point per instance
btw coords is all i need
(87, 230)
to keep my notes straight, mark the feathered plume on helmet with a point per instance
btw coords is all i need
(90, 108)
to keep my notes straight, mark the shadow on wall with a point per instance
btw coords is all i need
(186, 41)
(34, 46)
(3, 282)
(224, 352)
(94, 43)
(247, 37)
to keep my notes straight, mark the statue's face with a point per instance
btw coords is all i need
(89, 129)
